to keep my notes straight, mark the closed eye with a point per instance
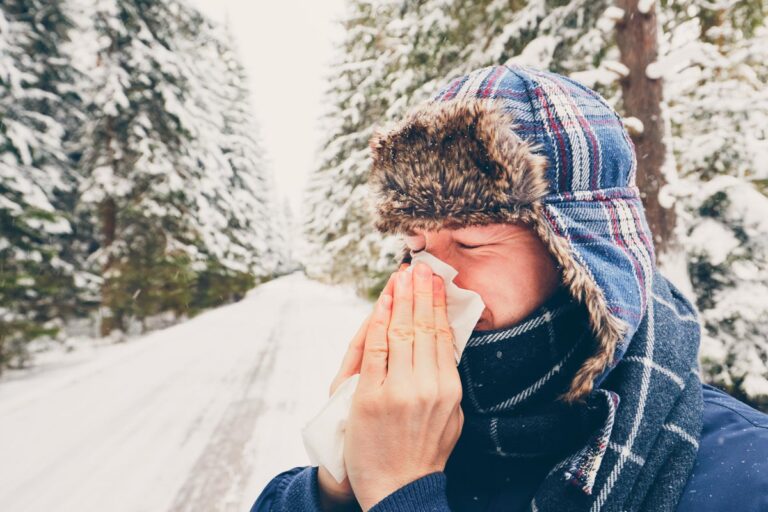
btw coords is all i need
(462, 246)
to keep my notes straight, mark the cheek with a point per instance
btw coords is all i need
(509, 300)
(503, 291)
(512, 291)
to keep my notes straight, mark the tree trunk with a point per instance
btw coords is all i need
(108, 217)
(638, 44)
(108, 214)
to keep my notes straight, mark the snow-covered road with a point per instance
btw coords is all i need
(196, 417)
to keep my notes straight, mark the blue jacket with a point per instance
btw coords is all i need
(730, 474)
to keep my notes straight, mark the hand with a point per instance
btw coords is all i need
(406, 416)
(335, 495)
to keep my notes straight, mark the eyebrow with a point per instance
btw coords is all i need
(473, 235)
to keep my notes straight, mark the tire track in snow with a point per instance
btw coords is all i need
(216, 482)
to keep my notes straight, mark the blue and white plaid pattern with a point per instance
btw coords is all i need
(593, 202)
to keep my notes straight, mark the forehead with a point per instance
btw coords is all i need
(477, 230)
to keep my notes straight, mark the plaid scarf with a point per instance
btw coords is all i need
(629, 446)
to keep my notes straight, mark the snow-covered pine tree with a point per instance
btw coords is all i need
(715, 66)
(341, 246)
(143, 165)
(135, 177)
(174, 175)
(256, 207)
(239, 220)
(36, 182)
(288, 236)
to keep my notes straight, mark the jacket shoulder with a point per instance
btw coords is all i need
(719, 398)
(731, 468)
(295, 488)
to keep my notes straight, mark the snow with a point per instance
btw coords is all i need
(712, 239)
(645, 6)
(617, 67)
(633, 125)
(755, 385)
(538, 52)
(614, 13)
(198, 416)
(654, 71)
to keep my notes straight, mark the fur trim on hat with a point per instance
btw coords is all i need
(459, 163)
(447, 164)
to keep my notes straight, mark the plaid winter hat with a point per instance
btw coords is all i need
(509, 144)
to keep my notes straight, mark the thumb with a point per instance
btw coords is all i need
(353, 358)
(350, 365)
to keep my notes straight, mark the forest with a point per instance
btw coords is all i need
(134, 191)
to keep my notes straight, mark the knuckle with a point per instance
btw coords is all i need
(444, 333)
(377, 351)
(366, 405)
(399, 332)
(456, 392)
(379, 322)
(423, 294)
(427, 394)
(423, 326)
(451, 393)
(400, 398)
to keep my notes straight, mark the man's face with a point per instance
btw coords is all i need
(507, 264)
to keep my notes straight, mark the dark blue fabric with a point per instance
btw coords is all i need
(731, 470)
(730, 473)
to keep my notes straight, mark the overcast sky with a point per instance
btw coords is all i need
(286, 47)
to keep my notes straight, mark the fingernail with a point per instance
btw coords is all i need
(386, 301)
(404, 278)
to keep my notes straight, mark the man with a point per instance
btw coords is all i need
(580, 387)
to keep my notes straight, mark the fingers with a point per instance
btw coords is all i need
(424, 346)
(448, 373)
(373, 368)
(446, 357)
(400, 332)
(353, 358)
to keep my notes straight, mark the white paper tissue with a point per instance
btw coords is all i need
(323, 435)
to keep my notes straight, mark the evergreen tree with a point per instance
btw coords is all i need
(172, 172)
(342, 246)
(238, 228)
(36, 105)
(254, 203)
(132, 180)
(715, 66)
(133, 166)
(288, 235)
